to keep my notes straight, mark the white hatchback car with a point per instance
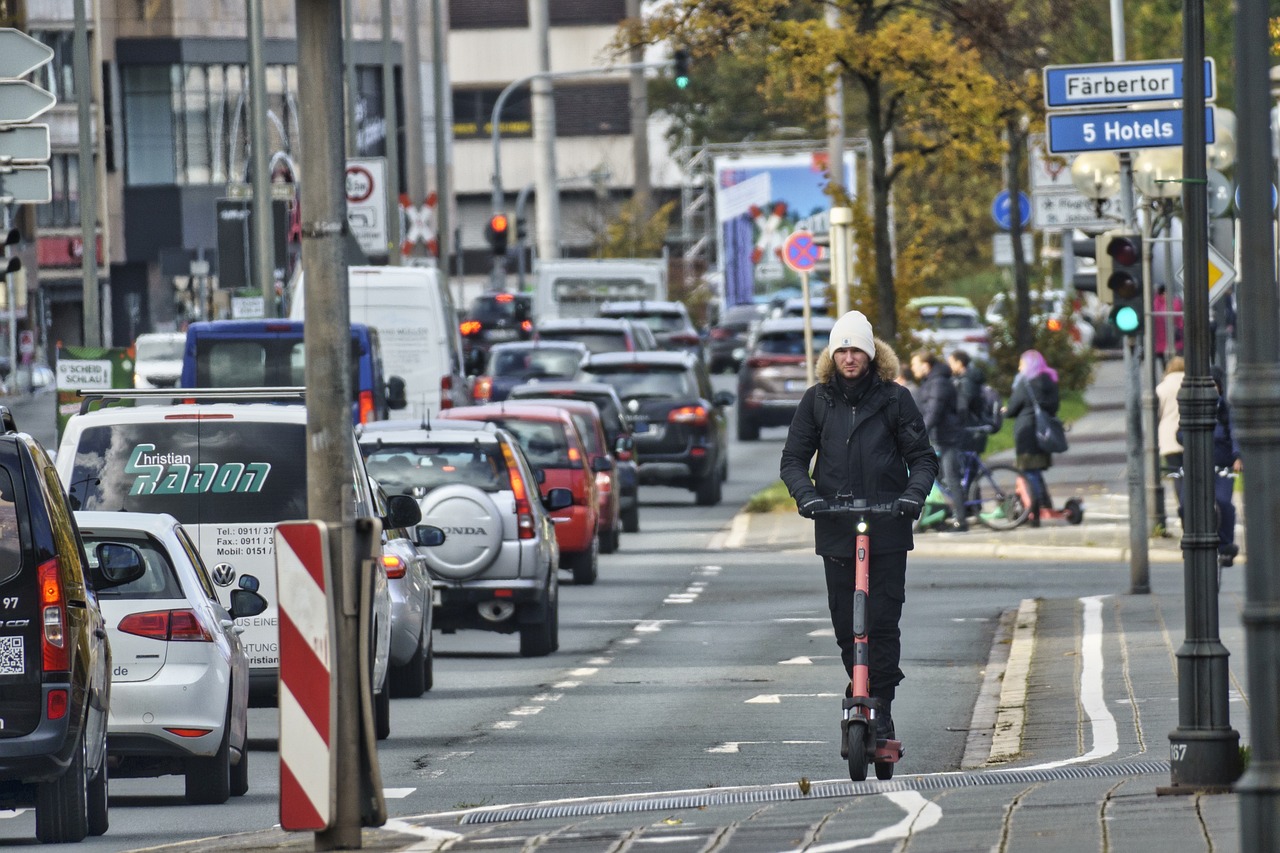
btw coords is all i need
(180, 678)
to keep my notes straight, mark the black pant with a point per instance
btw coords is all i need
(888, 590)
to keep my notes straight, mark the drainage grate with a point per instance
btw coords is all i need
(820, 790)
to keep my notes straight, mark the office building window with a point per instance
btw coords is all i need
(570, 13)
(64, 210)
(473, 114)
(57, 75)
(488, 14)
(150, 147)
(593, 109)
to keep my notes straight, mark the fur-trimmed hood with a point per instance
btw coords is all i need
(886, 364)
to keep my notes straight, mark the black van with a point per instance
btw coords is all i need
(55, 661)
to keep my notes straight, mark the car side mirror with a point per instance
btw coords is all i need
(539, 476)
(249, 582)
(246, 603)
(396, 397)
(428, 536)
(624, 447)
(723, 398)
(402, 511)
(557, 499)
(476, 362)
(601, 463)
(118, 564)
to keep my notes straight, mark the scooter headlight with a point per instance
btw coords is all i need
(862, 525)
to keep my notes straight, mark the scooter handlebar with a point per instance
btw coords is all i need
(840, 507)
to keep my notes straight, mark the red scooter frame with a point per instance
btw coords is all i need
(858, 743)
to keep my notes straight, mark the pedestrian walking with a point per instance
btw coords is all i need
(969, 377)
(1161, 325)
(1167, 427)
(1226, 461)
(871, 444)
(937, 399)
(1035, 384)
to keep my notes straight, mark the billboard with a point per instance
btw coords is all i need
(760, 199)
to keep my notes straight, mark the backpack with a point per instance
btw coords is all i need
(991, 414)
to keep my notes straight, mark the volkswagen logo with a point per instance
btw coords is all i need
(633, 406)
(224, 574)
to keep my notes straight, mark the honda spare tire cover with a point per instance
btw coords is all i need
(472, 531)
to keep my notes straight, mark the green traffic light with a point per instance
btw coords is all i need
(1126, 319)
(682, 82)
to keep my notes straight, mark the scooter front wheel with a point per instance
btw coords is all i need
(858, 752)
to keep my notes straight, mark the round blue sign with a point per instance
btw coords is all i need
(1273, 197)
(1001, 210)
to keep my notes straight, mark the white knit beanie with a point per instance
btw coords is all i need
(852, 330)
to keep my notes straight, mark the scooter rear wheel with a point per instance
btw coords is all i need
(857, 753)
(884, 770)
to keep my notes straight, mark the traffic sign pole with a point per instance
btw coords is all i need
(807, 313)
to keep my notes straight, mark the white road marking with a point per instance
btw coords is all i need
(805, 660)
(653, 626)
(667, 839)
(583, 672)
(600, 661)
(426, 833)
(776, 698)
(525, 711)
(1106, 740)
(786, 619)
(736, 535)
(397, 793)
(734, 746)
(921, 815)
(822, 632)
(566, 685)
(710, 571)
(547, 697)
(506, 724)
(629, 641)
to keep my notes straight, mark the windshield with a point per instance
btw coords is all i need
(10, 543)
(260, 363)
(545, 443)
(948, 320)
(643, 380)
(595, 341)
(200, 472)
(159, 580)
(527, 363)
(160, 349)
(503, 306)
(415, 469)
(790, 343)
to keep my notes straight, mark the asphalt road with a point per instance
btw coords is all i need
(682, 667)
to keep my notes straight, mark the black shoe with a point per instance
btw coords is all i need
(884, 721)
(1227, 555)
(959, 525)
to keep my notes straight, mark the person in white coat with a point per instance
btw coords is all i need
(1167, 427)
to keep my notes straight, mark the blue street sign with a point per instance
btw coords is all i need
(1002, 209)
(1121, 130)
(1117, 83)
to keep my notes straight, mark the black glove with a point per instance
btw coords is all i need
(811, 506)
(906, 508)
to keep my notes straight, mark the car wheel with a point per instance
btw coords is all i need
(240, 772)
(631, 518)
(96, 797)
(611, 538)
(748, 430)
(709, 492)
(209, 779)
(585, 565)
(382, 713)
(539, 639)
(409, 681)
(62, 805)
(429, 666)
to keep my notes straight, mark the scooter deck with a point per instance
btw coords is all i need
(888, 752)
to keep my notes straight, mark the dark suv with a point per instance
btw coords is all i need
(679, 420)
(55, 661)
(496, 318)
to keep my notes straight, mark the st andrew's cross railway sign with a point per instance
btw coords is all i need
(800, 253)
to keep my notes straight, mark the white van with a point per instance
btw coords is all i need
(229, 472)
(418, 328)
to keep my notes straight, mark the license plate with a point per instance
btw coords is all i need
(501, 334)
(639, 426)
(792, 386)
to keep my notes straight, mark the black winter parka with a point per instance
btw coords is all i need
(865, 453)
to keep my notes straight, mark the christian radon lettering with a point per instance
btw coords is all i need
(174, 474)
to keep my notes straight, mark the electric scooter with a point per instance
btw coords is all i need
(1072, 511)
(858, 743)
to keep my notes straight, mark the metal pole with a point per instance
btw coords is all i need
(391, 113)
(1139, 565)
(92, 296)
(444, 197)
(415, 180)
(330, 495)
(638, 89)
(1204, 749)
(841, 231)
(547, 196)
(1255, 396)
(808, 329)
(835, 115)
(522, 203)
(1150, 404)
(263, 244)
(352, 123)
(6, 222)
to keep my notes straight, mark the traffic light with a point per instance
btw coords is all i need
(497, 232)
(682, 69)
(1120, 279)
(11, 263)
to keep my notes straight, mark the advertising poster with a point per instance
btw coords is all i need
(85, 369)
(760, 199)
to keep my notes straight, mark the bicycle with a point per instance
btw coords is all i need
(858, 742)
(996, 494)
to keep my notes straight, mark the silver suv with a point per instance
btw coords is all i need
(495, 570)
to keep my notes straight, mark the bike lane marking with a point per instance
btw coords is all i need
(920, 815)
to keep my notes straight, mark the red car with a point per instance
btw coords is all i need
(591, 426)
(552, 444)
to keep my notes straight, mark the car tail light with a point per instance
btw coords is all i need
(603, 481)
(524, 511)
(166, 625)
(694, 415)
(1054, 324)
(683, 338)
(758, 361)
(395, 566)
(526, 325)
(187, 732)
(574, 455)
(446, 385)
(976, 339)
(56, 707)
(470, 327)
(53, 643)
(483, 389)
(366, 406)
(720, 334)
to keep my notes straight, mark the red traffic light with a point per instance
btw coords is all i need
(1124, 250)
(498, 223)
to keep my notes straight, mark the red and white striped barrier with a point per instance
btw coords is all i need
(308, 692)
